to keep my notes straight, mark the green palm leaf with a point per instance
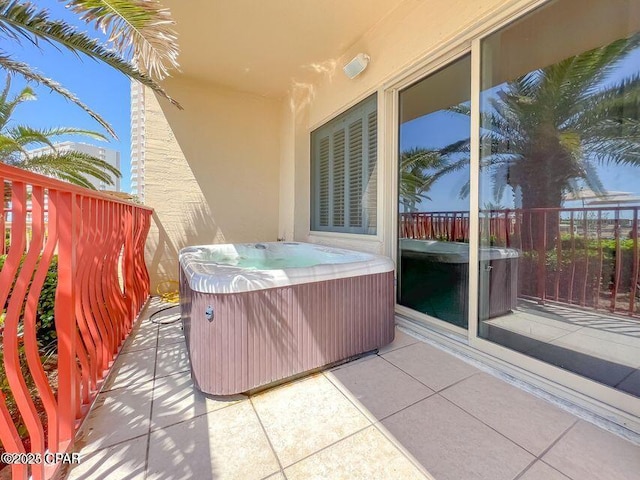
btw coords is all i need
(23, 20)
(141, 29)
(72, 166)
(10, 65)
(76, 167)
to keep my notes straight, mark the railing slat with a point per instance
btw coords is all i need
(580, 257)
(91, 233)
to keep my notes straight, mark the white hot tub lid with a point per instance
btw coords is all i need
(454, 252)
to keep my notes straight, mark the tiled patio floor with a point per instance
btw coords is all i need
(409, 410)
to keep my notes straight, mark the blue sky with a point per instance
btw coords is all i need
(441, 128)
(105, 90)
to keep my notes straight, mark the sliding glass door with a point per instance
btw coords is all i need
(559, 189)
(553, 221)
(433, 189)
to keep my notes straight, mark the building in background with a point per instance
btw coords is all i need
(109, 155)
(137, 140)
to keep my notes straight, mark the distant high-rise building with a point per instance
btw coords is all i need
(137, 140)
(107, 154)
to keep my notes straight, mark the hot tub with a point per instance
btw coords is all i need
(255, 314)
(435, 279)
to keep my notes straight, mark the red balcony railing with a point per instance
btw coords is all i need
(93, 244)
(579, 256)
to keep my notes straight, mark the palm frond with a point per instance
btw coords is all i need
(13, 66)
(72, 166)
(10, 148)
(25, 135)
(23, 20)
(141, 29)
(8, 106)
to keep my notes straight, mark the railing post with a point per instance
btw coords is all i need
(65, 318)
(128, 266)
(542, 258)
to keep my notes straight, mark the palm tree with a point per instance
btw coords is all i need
(421, 168)
(74, 167)
(417, 168)
(141, 45)
(546, 131)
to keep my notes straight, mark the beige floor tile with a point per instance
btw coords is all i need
(452, 445)
(125, 461)
(531, 422)
(117, 415)
(587, 452)
(140, 340)
(132, 368)
(171, 359)
(276, 476)
(166, 315)
(379, 387)
(431, 366)
(542, 471)
(226, 444)
(145, 326)
(363, 456)
(170, 334)
(303, 417)
(176, 399)
(401, 340)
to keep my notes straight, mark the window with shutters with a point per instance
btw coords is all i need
(344, 171)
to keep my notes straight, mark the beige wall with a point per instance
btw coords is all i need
(212, 171)
(413, 33)
(237, 169)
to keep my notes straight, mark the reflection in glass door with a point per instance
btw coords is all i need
(559, 190)
(433, 217)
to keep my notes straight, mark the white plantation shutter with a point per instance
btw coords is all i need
(338, 178)
(371, 185)
(323, 191)
(344, 171)
(355, 173)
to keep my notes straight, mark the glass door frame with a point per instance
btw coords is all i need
(622, 408)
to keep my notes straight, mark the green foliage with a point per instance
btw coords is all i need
(46, 329)
(548, 130)
(139, 32)
(583, 266)
(72, 166)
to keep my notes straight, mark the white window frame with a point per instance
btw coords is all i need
(594, 397)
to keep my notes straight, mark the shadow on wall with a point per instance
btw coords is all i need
(163, 246)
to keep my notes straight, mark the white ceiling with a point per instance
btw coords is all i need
(262, 46)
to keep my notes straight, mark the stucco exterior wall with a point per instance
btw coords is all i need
(235, 167)
(212, 171)
(411, 34)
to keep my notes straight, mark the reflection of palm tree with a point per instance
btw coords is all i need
(420, 168)
(550, 128)
(71, 166)
(415, 180)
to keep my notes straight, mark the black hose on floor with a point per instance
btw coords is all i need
(168, 321)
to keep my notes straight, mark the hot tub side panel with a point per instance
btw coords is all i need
(259, 337)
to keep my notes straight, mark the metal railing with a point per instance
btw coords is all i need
(102, 284)
(579, 256)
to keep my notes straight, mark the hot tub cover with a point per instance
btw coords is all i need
(454, 252)
(210, 269)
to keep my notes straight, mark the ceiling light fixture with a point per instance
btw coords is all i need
(356, 66)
